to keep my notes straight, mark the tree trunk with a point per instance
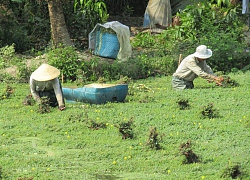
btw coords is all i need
(59, 31)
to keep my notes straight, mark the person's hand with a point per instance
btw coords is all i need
(61, 108)
(218, 80)
(38, 100)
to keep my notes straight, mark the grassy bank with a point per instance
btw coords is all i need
(75, 144)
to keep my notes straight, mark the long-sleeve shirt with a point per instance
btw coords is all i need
(190, 68)
(54, 84)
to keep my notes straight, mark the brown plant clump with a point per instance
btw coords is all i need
(154, 139)
(183, 104)
(125, 129)
(97, 125)
(232, 171)
(7, 93)
(28, 100)
(190, 156)
(44, 105)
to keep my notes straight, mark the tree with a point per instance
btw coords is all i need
(59, 31)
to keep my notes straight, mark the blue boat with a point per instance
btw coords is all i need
(96, 93)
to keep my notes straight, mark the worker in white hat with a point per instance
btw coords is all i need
(44, 82)
(194, 66)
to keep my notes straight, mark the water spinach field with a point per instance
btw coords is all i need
(156, 134)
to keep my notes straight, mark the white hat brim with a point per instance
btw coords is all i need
(204, 56)
(45, 73)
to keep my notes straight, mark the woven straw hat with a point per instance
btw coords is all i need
(202, 52)
(45, 73)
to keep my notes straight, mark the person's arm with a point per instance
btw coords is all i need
(192, 65)
(58, 93)
(217, 80)
(208, 69)
(33, 91)
(204, 73)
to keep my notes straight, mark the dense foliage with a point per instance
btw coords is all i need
(217, 24)
(220, 28)
(26, 22)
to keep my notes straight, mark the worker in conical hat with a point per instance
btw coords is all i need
(44, 82)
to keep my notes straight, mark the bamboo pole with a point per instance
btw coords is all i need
(62, 77)
(180, 59)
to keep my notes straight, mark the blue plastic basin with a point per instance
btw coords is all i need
(96, 93)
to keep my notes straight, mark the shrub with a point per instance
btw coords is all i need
(228, 52)
(24, 72)
(7, 93)
(137, 68)
(86, 15)
(44, 105)
(17, 34)
(211, 24)
(228, 82)
(202, 23)
(6, 55)
(65, 59)
(183, 104)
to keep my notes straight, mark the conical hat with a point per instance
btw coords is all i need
(45, 73)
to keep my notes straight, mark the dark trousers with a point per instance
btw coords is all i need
(51, 95)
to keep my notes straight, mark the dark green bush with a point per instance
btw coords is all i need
(221, 29)
(228, 53)
(65, 59)
(6, 55)
(26, 24)
(81, 17)
(12, 33)
(218, 27)
(94, 69)
(24, 72)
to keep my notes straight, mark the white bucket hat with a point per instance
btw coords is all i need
(202, 52)
(45, 73)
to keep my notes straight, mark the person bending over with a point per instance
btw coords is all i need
(194, 66)
(44, 82)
